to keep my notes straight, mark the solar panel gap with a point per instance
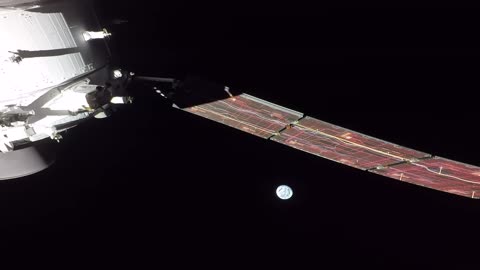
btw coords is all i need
(388, 166)
(400, 163)
(291, 125)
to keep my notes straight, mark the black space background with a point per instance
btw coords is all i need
(154, 186)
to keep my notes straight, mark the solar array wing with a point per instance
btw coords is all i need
(288, 127)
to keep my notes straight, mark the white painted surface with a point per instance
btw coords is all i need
(21, 83)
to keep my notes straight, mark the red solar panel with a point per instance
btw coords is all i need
(438, 173)
(249, 114)
(343, 145)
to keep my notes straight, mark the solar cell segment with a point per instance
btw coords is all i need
(249, 114)
(438, 173)
(344, 146)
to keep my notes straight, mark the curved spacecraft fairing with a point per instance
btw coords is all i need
(34, 159)
(51, 76)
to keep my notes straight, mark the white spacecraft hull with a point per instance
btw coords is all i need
(49, 76)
